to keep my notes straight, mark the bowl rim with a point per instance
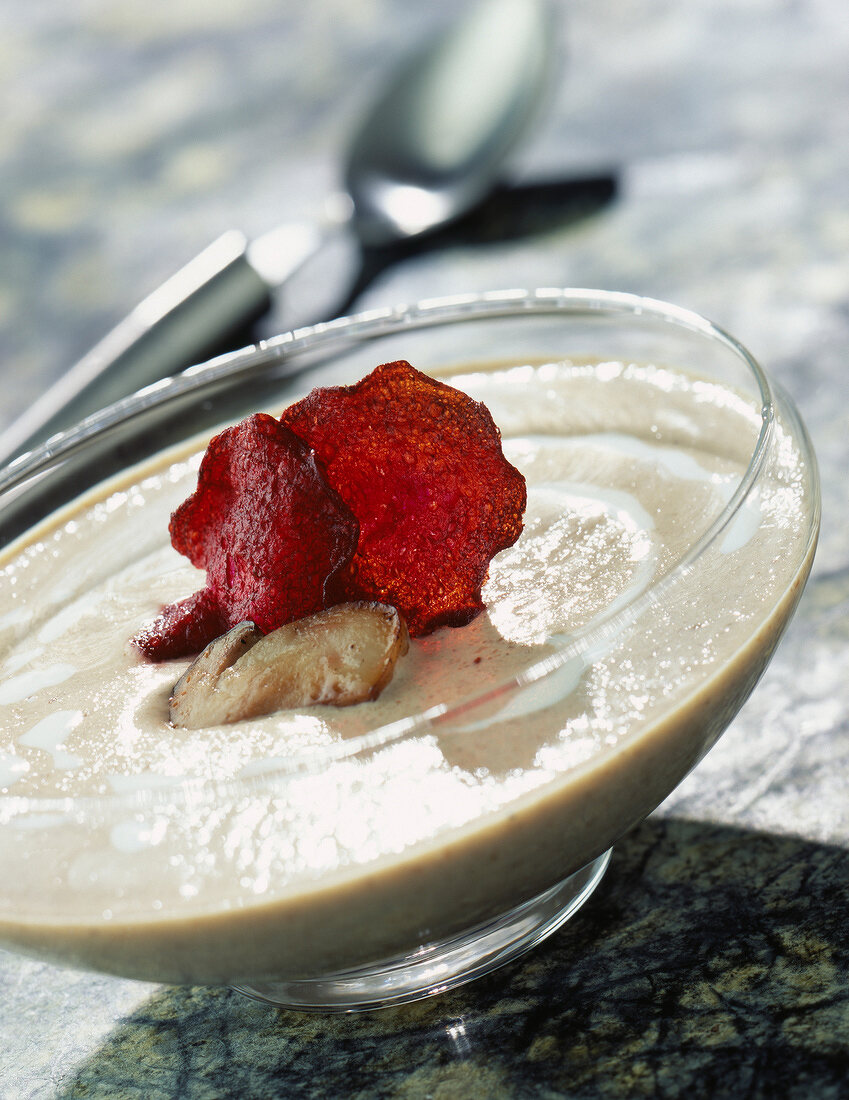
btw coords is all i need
(361, 327)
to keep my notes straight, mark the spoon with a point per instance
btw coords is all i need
(429, 150)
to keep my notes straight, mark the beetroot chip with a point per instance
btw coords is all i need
(420, 465)
(182, 628)
(267, 528)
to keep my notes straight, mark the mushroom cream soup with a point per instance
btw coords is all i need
(502, 756)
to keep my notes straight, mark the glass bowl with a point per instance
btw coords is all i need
(388, 851)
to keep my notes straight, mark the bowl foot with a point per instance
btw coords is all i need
(445, 964)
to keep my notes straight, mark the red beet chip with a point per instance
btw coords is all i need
(267, 528)
(182, 628)
(421, 467)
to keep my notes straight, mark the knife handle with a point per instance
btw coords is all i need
(217, 294)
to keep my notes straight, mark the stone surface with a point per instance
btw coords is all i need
(714, 958)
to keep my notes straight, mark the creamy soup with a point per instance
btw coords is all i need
(501, 757)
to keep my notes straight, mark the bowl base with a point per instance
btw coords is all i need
(442, 965)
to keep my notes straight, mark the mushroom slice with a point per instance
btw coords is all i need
(343, 655)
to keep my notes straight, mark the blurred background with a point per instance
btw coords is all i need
(714, 136)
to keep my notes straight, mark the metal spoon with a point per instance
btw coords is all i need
(430, 149)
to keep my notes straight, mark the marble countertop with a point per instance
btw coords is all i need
(708, 145)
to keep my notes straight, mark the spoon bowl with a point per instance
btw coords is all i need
(435, 142)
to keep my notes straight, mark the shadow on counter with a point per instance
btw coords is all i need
(711, 961)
